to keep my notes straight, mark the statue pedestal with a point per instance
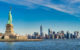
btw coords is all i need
(9, 29)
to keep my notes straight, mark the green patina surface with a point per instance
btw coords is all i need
(10, 18)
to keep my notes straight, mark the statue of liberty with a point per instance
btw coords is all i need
(9, 26)
(10, 17)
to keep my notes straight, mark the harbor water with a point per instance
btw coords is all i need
(73, 44)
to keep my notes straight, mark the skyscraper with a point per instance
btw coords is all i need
(76, 34)
(68, 35)
(50, 32)
(41, 31)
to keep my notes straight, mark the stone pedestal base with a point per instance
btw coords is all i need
(9, 29)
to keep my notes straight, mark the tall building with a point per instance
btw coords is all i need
(68, 35)
(71, 36)
(62, 34)
(36, 35)
(46, 36)
(9, 26)
(53, 32)
(50, 32)
(76, 34)
(41, 31)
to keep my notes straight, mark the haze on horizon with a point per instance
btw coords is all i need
(28, 15)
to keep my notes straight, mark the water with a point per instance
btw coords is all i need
(42, 45)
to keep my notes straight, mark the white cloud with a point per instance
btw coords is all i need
(68, 6)
(75, 1)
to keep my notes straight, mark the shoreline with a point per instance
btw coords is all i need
(16, 40)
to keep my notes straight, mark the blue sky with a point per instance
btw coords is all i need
(28, 15)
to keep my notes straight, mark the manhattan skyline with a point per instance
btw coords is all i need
(28, 19)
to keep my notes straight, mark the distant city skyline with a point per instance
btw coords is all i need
(27, 20)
